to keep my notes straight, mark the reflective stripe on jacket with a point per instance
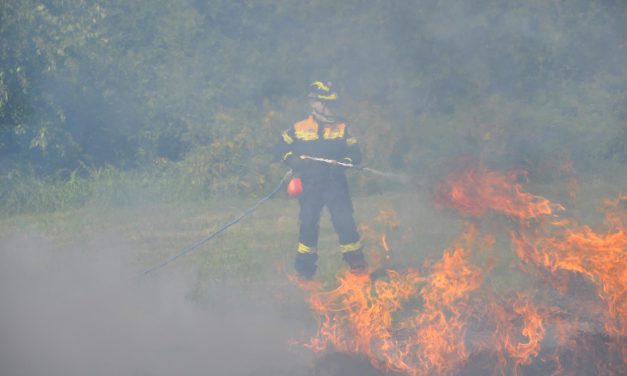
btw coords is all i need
(326, 140)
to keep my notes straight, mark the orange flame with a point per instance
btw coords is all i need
(533, 330)
(386, 248)
(439, 335)
(599, 256)
(356, 318)
(418, 324)
(475, 191)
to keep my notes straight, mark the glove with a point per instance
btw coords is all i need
(348, 161)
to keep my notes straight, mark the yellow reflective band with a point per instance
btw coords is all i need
(349, 160)
(306, 135)
(287, 155)
(333, 132)
(329, 97)
(320, 85)
(306, 130)
(305, 249)
(286, 137)
(350, 247)
(351, 141)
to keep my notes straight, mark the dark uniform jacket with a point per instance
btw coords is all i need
(322, 140)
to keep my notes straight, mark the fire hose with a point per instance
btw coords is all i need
(357, 167)
(200, 242)
(252, 209)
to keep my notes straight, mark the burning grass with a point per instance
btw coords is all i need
(522, 286)
(454, 316)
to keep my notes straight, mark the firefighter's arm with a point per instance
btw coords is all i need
(284, 149)
(353, 152)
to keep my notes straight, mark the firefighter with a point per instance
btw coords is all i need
(323, 135)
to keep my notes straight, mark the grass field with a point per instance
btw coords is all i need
(254, 248)
(246, 268)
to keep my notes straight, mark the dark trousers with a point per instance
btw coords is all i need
(335, 196)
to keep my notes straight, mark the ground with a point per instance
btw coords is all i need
(77, 299)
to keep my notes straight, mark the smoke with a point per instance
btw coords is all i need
(87, 311)
(538, 86)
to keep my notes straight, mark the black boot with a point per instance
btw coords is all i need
(305, 265)
(356, 261)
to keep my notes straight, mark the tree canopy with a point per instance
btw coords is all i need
(125, 83)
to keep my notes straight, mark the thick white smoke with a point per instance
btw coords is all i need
(89, 311)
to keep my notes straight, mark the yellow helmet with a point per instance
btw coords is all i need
(322, 91)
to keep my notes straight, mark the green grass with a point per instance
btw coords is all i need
(253, 259)
(250, 249)
(259, 250)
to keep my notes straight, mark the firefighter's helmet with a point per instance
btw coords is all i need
(322, 91)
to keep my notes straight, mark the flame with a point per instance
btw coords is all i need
(438, 342)
(533, 330)
(518, 330)
(436, 321)
(386, 222)
(475, 191)
(599, 256)
(386, 248)
(356, 318)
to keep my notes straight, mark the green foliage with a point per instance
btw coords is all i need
(136, 90)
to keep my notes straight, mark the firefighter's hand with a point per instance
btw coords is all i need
(347, 161)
